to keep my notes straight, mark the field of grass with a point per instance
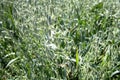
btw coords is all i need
(59, 39)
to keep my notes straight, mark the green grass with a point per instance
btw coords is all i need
(59, 39)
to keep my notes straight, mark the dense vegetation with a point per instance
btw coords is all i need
(59, 39)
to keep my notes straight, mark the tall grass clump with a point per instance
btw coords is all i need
(59, 40)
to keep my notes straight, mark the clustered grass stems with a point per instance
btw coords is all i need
(59, 39)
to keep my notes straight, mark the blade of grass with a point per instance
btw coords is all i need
(12, 61)
(77, 58)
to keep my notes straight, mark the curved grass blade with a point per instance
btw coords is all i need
(11, 61)
(77, 58)
(115, 73)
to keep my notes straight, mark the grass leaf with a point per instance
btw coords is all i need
(77, 58)
(11, 61)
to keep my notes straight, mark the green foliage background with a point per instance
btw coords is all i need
(59, 39)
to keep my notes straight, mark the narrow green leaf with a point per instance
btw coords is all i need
(77, 58)
(115, 73)
(12, 61)
(9, 55)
